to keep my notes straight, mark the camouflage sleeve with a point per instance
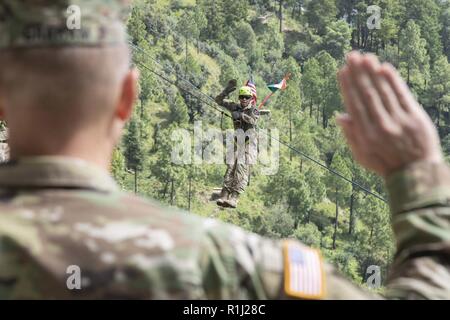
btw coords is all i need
(227, 104)
(420, 206)
(252, 116)
(240, 265)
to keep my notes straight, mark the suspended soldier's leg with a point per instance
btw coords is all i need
(242, 171)
(240, 182)
(228, 179)
(227, 184)
(241, 177)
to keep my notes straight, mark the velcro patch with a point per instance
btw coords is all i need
(303, 271)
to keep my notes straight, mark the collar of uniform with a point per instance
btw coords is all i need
(54, 172)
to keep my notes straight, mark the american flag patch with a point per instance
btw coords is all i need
(303, 271)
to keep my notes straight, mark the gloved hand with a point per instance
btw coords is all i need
(236, 115)
(231, 86)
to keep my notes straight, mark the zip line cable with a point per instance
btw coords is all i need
(173, 69)
(174, 83)
(180, 88)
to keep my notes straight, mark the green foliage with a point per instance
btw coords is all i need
(246, 40)
(320, 14)
(336, 40)
(118, 170)
(309, 234)
(329, 88)
(312, 83)
(178, 111)
(210, 42)
(426, 14)
(215, 19)
(133, 148)
(289, 186)
(438, 91)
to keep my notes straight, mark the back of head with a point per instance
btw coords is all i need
(63, 64)
(70, 87)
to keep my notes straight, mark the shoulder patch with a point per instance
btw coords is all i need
(256, 112)
(304, 276)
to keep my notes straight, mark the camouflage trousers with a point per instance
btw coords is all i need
(238, 171)
(236, 177)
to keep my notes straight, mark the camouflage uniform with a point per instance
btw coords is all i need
(420, 206)
(245, 119)
(59, 214)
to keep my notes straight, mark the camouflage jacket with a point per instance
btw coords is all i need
(62, 218)
(248, 117)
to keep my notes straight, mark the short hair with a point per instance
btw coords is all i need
(80, 84)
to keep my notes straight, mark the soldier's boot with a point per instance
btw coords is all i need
(224, 194)
(232, 200)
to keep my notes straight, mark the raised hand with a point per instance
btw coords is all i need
(231, 86)
(386, 128)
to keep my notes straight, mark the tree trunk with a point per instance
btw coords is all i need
(172, 193)
(189, 195)
(371, 40)
(164, 191)
(318, 115)
(324, 118)
(408, 69)
(321, 240)
(371, 236)
(438, 117)
(350, 224)
(185, 58)
(135, 180)
(336, 221)
(352, 41)
(359, 35)
(290, 132)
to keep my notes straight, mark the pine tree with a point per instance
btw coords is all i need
(336, 40)
(311, 83)
(320, 14)
(338, 189)
(414, 54)
(438, 92)
(329, 92)
(134, 153)
(118, 170)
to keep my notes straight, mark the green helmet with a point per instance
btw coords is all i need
(245, 91)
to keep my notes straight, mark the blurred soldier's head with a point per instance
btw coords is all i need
(245, 96)
(66, 87)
